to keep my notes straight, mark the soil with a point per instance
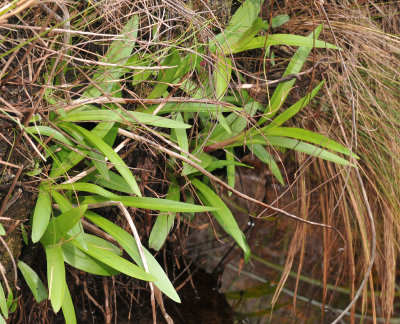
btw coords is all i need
(17, 199)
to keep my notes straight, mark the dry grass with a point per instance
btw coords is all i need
(369, 36)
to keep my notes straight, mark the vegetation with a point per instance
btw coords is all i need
(126, 93)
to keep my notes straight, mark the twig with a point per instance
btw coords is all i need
(10, 107)
(13, 200)
(9, 164)
(19, 6)
(95, 230)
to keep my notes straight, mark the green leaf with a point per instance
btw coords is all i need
(68, 308)
(116, 182)
(113, 157)
(265, 157)
(59, 226)
(294, 109)
(217, 164)
(164, 222)
(103, 244)
(114, 261)
(282, 39)
(230, 168)
(237, 122)
(24, 234)
(245, 14)
(165, 205)
(295, 65)
(99, 161)
(195, 107)
(180, 136)
(32, 279)
(206, 160)
(67, 163)
(3, 302)
(123, 117)
(222, 76)
(241, 28)
(246, 37)
(65, 205)
(223, 215)
(2, 230)
(87, 187)
(73, 158)
(306, 135)
(299, 146)
(50, 132)
(188, 63)
(10, 300)
(82, 261)
(41, 214)
(129, 245)
(55, 275)
(279, 20)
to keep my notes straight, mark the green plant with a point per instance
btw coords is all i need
(65, 201)
(7, 305)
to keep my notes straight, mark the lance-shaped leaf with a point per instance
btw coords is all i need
(41, 214)
(264, 156)
(296, 145)
(68, 308)
(129, 245)
(82, 261)
(312, 137)
(34, 283)
(48, 131)
(59, 226)
(164, 222)
(123, 117)
(223, 215)
(3, 302)
(114, 261)
(293, 109)
(164, 205)
(283, 39)
(55, 275)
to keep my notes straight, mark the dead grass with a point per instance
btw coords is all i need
(369, 36)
